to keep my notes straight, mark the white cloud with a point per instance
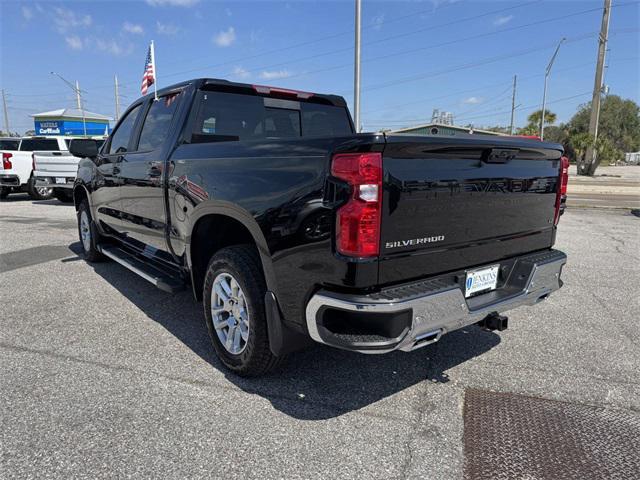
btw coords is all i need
(172, 3)
(167, 28)
(225, 37)
(74, 42)
(240, 72)
(473, 100)
(66, 20)
(274, 74)
(133, 28)
(255, 36)
(27, 13)
(502, 20)
(377, 22)
(112, 47)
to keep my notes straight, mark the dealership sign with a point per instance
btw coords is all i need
(71, 127)
(48, 128)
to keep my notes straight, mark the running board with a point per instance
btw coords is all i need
(160, 279)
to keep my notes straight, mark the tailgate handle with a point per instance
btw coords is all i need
(500, 155)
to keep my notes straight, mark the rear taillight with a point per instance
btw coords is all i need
(358, 220)
(563, 182)
(6, 161)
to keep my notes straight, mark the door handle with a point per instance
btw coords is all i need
(155, 169)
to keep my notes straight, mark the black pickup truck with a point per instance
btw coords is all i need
(292, 228)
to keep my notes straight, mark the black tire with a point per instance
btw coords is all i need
(243, 264)
(38, 193)
(4, 192)
(89, 249)
(64, 195)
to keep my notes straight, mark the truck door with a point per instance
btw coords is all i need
(106, 194)
(141, 176)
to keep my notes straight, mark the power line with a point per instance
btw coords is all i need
(404, 52)
(486, 87)
(327, 37)
(482, 62)
(348, 49)
(523, 107)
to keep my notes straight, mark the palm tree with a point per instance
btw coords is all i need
(549, 118)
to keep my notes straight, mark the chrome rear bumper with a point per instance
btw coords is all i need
(435, 306)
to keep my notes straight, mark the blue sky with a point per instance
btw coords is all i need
(458, 56)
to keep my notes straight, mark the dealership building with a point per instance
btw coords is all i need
(71, 121)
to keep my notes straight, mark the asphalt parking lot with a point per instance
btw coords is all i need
(102, 375)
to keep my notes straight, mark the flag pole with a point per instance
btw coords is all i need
(155, 75)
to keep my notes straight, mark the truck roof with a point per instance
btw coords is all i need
(217, 84)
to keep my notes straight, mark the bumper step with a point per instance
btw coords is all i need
(161, 279)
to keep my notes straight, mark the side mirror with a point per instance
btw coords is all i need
(83, 148)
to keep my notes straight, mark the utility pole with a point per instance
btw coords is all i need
(544, 93)
(590, 163)
(6, 115)
(76, 90)
(356, 79)
(513, 103)
(78, 101)
(117, 94)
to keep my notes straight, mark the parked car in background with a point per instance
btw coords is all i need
(292, 228)
(16, 174)
(57, 170)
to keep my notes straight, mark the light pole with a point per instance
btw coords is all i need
(544, 93)
(356, 73)
(76, 89)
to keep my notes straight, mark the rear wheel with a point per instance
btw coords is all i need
(4, 192)
(89, 236)
(65, 195)
(38, 193)
(234, 290)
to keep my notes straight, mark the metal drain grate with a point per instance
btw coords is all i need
(509, 436)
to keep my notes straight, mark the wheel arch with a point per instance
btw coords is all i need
(208, 223)
(80, 193)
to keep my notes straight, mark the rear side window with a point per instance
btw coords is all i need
(38, 144)
(230, 116)
(9, 144)
(156, 125)
(120, 138)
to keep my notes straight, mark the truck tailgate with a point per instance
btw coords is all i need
(459, 202)
(55, 164)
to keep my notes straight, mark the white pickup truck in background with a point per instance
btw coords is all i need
(16, 172)
(57, 170)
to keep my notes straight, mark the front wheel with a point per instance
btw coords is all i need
(38, 193)
(234, 290)
(88, 234)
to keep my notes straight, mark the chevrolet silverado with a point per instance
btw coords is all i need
(291, 228)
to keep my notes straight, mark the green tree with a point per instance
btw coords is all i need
(533, 125)
(618, 131)
(549, 117)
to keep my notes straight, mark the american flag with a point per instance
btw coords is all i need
(149, 75)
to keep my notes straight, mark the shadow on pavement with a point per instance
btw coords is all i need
(314, 384)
